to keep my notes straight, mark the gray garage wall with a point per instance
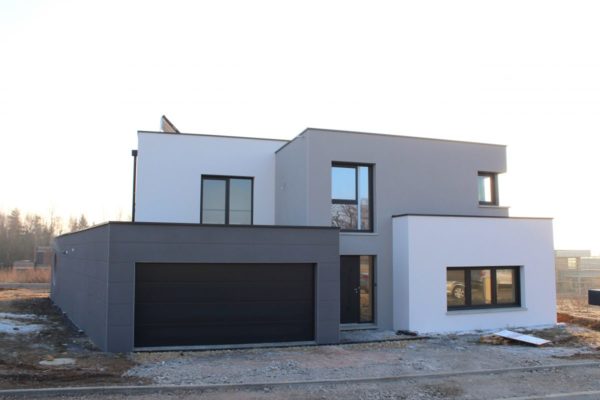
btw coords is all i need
(129, 243)
(79, 280)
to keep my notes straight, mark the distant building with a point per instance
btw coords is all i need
(43, 256)
(576, 272)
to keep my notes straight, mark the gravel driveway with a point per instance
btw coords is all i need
(436, 354)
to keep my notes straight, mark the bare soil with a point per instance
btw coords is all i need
(577, 311)
(20, 353)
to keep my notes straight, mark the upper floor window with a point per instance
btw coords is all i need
(351, 197)
(488, 188)
(226, 200)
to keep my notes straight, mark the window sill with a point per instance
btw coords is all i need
(493, 206)
(358, 233)
(486, 310)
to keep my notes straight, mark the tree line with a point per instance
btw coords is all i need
(20, 235)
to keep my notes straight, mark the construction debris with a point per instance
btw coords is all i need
(520, 337)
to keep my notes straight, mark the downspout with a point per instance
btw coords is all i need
(134, 154)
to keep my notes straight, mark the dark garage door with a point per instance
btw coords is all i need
(203, 304)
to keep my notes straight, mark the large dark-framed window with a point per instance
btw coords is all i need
(227, 200)
(483, 287)
(487, 185)
(352, 196)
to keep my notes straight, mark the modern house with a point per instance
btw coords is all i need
(246, 240)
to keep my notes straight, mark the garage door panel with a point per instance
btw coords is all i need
(223, 312)
(203, 304)
(223, 272)
(224, 291)
(215, 334)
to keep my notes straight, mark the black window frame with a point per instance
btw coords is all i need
(494, 188)
(494, 304)
(343, 164)
(226, 178)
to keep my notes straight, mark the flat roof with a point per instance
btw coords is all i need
(387, 135)
(286, 142)
(467, 216)
(199, 225)
(209, 135)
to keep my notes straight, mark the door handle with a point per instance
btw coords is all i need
(357, 290)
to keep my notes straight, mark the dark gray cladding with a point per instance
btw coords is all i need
(94, 274)
(80, 278)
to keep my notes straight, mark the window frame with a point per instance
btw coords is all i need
(227, 179)
(494, 188)
(494, 303)
(355, 166)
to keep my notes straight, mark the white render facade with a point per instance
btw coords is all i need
(170, 166)
(423, 216)
(425, 246)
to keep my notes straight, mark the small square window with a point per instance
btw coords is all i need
(488, 188)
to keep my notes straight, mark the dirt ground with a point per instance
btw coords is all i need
(21, 352)
(54, 340)
(577, 311)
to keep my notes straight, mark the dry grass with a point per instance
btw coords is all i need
(25, 276)
(572, 304)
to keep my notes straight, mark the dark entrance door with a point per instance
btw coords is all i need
(201, 304)
(356, 289)
(350, 289)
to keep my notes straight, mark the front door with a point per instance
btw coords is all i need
(356, 289)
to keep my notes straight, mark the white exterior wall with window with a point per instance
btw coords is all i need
(170, 169)
(426, 246)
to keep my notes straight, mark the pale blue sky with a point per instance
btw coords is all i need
(78, 79)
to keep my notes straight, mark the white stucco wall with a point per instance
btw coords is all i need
(170, 167)
(424, 246)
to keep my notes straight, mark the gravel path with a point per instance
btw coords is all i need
(436, 354)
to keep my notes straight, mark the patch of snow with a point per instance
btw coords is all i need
(20, 316)
(18, 323)
(13, 328)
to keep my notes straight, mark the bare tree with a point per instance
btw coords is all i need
(344, 216)
(19, 237)
(83, 223)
